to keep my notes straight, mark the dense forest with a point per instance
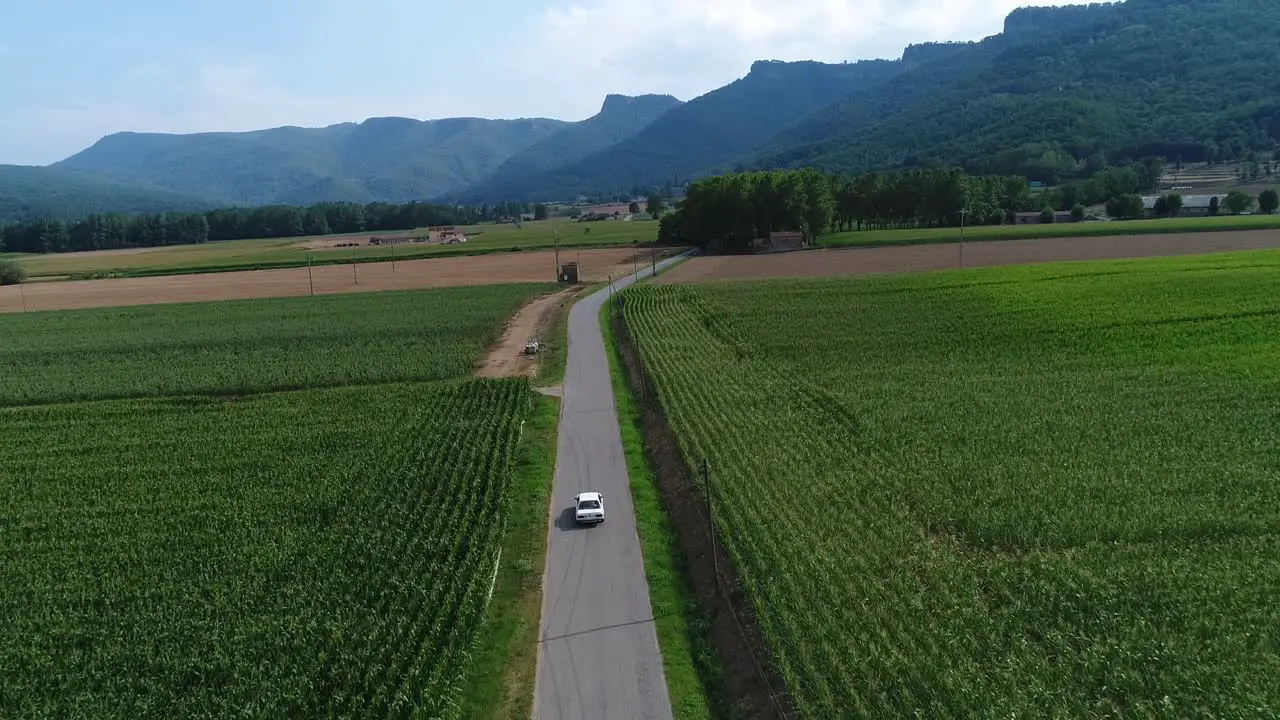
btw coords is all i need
(1187, 81)
(30, 193)
(115, 231)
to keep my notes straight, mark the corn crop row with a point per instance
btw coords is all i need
(1023, 492)
(326, 553)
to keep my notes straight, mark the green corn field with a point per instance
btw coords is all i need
(246, 346)
(1046, 491)
(205, 549)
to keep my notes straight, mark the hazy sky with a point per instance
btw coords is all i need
(72, 71)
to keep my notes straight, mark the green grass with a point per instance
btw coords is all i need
(686, 654)
(178, 539)
(872, 238)
(505, 663)
(1032, 491)
(235, 255)
(503, 666)
(252, 345)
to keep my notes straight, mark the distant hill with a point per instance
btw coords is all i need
(707, 134)
(392, 159)
(619, 119)
(1059, 94)
(1060, 86)
(27, 193)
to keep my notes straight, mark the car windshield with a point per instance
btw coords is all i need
(589, 505)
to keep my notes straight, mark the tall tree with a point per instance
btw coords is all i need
(655, 205)
(1268, 201)
(1238, 202)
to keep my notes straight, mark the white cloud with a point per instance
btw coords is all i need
(688, 47)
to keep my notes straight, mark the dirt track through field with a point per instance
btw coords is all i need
(507, 358)
(915, 258)
(516, 267)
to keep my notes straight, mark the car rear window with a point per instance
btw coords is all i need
(589, 504)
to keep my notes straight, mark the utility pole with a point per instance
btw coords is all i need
(353, 267)
(22, 290)
(557, 244)
(963, 213)
(654, 256)
(310, 283)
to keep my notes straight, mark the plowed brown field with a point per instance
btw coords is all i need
(369, 277)
(913, 258)
(596, 265)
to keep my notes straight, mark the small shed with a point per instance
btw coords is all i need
(569, 273)
(780, 242)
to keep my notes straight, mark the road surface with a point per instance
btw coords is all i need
(598, 655)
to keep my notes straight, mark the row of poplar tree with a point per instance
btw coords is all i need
(727, 213)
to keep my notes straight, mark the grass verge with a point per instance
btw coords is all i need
(555, 345)
(504, 661)
(688, 660)
(501, 683)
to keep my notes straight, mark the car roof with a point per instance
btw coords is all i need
(588, 496)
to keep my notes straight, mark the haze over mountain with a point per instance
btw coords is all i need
(393, 159)
(34, 192)
(710, 132)
(1060, 92)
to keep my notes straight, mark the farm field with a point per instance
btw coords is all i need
(179, 538)
(918, 257)
(1005, 492)
(293, 252)
(250, 346)
(523, 267)
(1159, 226)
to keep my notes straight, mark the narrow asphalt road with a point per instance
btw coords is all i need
(598, 655)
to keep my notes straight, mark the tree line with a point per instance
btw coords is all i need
(727, 213)
(115, 231)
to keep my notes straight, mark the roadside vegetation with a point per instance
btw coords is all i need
(993, 491)
(688, 658)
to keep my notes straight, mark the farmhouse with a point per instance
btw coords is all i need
(1033, 218)
(1192, 205)
(599, 212)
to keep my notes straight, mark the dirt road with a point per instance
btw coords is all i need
(508, 358)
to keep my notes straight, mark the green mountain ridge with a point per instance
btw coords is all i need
(712, 132)
(28, 193)
(392, 159)
(619, 119)
(1180, 79)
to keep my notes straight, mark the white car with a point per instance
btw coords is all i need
(589, 508)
